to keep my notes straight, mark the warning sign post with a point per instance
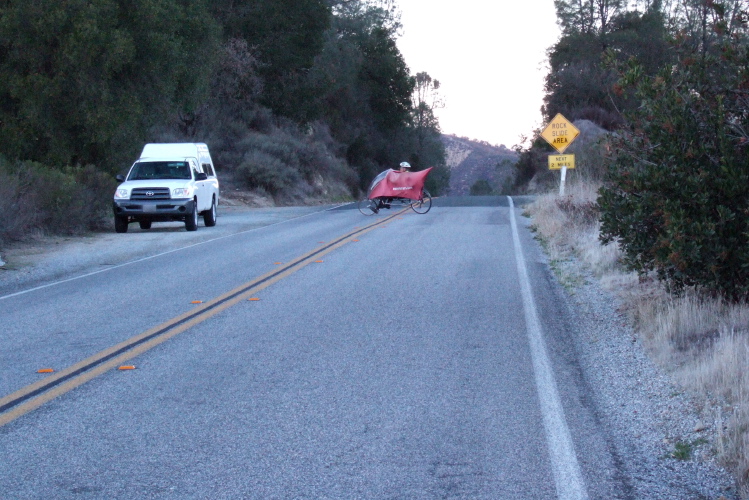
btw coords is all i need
(560, 133)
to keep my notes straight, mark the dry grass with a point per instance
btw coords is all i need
(569, 225)
(703, 341)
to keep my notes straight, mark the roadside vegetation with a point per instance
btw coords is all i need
(300, 101)
(658, 206)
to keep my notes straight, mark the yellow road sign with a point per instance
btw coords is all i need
(556, 162)
(560, 132)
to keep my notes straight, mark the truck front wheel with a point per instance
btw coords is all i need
(209, 216)
(120, 223)
(191, 221)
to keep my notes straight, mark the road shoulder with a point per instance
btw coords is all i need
(45, 259)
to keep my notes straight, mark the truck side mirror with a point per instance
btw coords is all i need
(201, 176)
(120, 178)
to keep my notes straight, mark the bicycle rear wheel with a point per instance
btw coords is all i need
(367, 206)
(422, 205)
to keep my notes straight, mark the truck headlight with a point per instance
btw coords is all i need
(182, 193)
(121, 194)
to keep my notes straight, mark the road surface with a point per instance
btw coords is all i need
(329, 356)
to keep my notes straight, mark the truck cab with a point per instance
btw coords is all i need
(169, 182)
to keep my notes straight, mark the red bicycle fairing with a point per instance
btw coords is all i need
(394, 184)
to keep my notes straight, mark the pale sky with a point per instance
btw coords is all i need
(490, 59)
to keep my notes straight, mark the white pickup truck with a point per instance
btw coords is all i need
(168, 182)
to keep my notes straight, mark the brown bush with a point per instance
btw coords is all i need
(37, 198)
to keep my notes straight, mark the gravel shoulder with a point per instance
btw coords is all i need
(664, 445)
(47, 259)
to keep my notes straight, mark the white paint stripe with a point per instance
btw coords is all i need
(567, 475)
(157, 255)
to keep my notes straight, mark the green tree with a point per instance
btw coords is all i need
(286, 36)
(426, 138)
(579, 85)
(591, 17)
(676, 196)
(426, 99)
(366, 88)
(82, 81)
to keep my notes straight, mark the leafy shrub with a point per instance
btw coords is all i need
(17, 205)
(533, 164)
(261, 170)
(481, 188)
(676, 194)
(34, 197)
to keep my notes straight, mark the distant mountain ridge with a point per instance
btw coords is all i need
(470, 161)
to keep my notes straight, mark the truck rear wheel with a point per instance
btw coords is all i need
(145, 224)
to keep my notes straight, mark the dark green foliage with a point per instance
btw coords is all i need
(286, 36)
(291, 96)
(676, 188)
(81, 81)
(579, 85)
(481, 188)
(677, 192)
(532, 162)
(367, 90)
(262, 170)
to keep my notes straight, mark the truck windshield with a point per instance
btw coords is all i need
(147, 170)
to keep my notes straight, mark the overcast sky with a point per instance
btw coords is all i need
(489, 56)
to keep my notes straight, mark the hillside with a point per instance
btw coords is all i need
(470, 161)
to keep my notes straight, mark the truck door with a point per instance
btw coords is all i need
(200, 188)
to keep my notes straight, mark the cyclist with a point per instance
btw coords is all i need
(385, 202)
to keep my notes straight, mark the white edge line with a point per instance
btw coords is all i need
(567, 475)
(159, 255)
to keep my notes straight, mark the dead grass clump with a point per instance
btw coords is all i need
(682, 323)
(570, 225)
(722, 372)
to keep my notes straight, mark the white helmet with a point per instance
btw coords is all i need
(406, 165)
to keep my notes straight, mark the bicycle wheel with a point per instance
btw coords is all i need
(367, 206)
(422, 205)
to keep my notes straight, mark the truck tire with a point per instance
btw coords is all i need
(120, 223)
(209, 216)
(191, 221)
(145, 224)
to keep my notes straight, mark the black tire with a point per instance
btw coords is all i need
(423, 205)
(120, 223)
(367, 206)
(191, 221)
(209, 216)
(145, 224)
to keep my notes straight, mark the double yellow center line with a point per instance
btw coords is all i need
(35, 395)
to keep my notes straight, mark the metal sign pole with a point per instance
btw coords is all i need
(561, 183)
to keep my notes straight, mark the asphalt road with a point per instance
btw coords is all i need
(422, 357)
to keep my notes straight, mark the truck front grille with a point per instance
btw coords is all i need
(159, 193)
